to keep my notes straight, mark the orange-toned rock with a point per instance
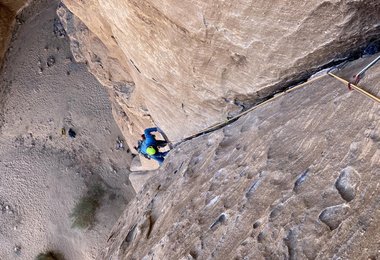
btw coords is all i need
(8, 11)
(193, 63)
(6, 19)
(297, 178)
(14, 5)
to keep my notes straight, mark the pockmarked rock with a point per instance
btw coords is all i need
(347, 183)
(333, 216)
(265, 186)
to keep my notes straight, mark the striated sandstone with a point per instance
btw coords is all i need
(296, 179)
(190, 64)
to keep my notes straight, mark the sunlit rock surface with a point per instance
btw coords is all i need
(296, 179)
(190, 64)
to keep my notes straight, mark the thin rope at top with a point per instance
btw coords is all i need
(221, 124)
(355, 87)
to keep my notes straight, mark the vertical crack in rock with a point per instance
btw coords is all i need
(246, 55)
(300, 180)
(129, 238)
(291, 243)
(221, 219)
(252, 188)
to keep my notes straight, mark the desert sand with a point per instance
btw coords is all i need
(42, 172)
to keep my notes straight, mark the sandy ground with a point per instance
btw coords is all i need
(42, 173)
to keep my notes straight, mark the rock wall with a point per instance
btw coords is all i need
(189, 64)
(14, 5)
(296, 179)
(106, 63)
(6, 19)
(8, 11)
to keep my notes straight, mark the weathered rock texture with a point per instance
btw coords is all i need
(6, 18)
(190, 64)
(8, 11)
(14, 5)
(298, 178)
(105, 63)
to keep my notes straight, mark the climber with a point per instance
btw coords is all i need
(149, 146)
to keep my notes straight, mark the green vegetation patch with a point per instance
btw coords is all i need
(83, 214)
(49, 256)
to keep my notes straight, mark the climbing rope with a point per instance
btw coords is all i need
(229, 121)
(355, 87)
(359, 76)
(351, 85)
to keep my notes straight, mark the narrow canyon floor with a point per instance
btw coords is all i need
(297, 178)
(42, 172)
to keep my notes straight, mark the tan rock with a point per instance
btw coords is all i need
(8, 11)
(106, 63)
(194, 63)
(297, 178)
(14, 5)
(6, 19)
(139, 179)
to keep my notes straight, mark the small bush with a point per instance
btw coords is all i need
(83, 214)
(49, 256)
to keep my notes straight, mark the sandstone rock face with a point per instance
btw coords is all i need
(297, 178)
(106, 62)
(8, 11)
(6, 18)
(14, 5)
(201, 61)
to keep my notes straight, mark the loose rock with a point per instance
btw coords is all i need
(17, 250)
(59, 31)
(347, 182)
(50, 61)
(72, 133)
(333, 216)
